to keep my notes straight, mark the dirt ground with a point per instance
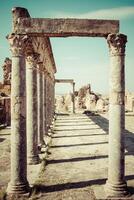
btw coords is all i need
(76, 167)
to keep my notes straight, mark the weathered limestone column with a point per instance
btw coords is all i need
(51, 100)
(32, 129)
(116, 185)
(73, 97)
(40, 103)
(53, 96)
(44, 100)
(18, 181)
(47, 101)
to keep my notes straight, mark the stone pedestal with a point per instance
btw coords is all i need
(32, 129)
(116, 185)
(18, 181)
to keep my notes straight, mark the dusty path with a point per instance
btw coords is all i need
(77, 165)
(4, 159)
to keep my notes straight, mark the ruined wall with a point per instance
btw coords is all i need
(85, 99)
(5, 90)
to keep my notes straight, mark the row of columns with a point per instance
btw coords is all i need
(116, 185)
(31, 114)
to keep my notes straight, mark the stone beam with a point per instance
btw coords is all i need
(64, 80)
(67, 27)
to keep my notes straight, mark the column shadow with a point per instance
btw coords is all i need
(76, 129)
(41, 188)
(2, 139)
(77, 159)
(81, 135)
(67, 186)
(77, 145)
(104, 124)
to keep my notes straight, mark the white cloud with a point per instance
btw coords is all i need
(111, 13)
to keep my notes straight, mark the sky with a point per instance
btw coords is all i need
(84, 59)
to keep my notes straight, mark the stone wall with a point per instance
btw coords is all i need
(5, 91)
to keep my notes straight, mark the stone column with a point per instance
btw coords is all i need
(73, 97)
(51, 101)
(18, 181)
(31, 89)
(47, 101)
(44, 101)
(40, 104)
(116, 185)
(53, 98)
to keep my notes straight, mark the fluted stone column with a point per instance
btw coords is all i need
(40, 104)
(116, 185)
(32, 129)
(18, 181)
(47, 102)
(44, 101)
(51, 101)
(53, 98)
(73, 97)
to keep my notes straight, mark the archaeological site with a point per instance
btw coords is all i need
(75, 146)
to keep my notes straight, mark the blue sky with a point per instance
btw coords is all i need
(86, 60)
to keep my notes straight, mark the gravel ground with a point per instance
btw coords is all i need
(76, 167)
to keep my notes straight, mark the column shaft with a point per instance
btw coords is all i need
(40, 107)
(31, 88)
(116, 185)
(73, 97)
(44, 103)
(47, 102)
(18, 182)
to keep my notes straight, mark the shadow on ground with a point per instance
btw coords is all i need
(74, 185)
(77, 159)
(104, 124)
(2, 139)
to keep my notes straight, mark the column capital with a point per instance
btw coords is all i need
(33, 59)
(40, 66)
(45, 71)
(17, 43)
(117, 44)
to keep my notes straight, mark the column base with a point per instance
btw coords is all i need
(33, 160)
(42, 143)
(21, 188)
(40, 146)
(116, 190)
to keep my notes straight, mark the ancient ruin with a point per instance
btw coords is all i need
(71, 81)
(32, 92)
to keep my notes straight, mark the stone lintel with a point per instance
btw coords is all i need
(64, 80)
(67, 27)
